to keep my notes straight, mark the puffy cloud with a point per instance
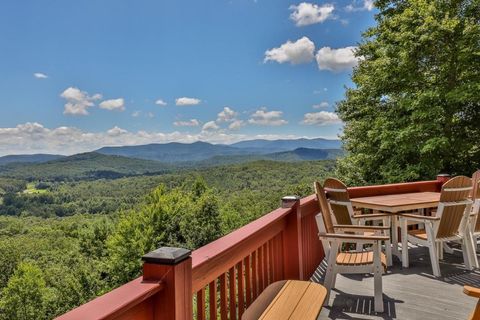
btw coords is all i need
(305, 13)
(210, 125)
(113, 104)
(366, 5)
(300, 51)
(236, 125)
(189, 123)
(160, 102)
(227, 115)
(321, 105)
(116, 131)
(336, 60)
(136, 114)
(267, 118)
(321, 118)
(184, 101)
(33, 137)
(40, 75)
(78, 101)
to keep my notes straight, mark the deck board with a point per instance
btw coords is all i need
(411, 293)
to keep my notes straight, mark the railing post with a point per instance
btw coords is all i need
(443, 178)
(172, 266)
(292, 241)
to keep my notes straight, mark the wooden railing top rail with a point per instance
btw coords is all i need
(211, 260)
(115, 302)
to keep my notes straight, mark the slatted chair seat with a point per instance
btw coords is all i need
(420, 234)
(359, 258)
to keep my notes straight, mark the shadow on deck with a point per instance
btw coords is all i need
(411, 293)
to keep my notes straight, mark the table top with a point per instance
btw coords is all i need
(398, 202)
(296, 300)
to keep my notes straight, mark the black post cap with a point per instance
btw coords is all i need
(289, 201)
(167, 255)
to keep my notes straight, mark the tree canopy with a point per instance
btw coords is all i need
(415, 109)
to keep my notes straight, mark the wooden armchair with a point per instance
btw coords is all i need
(343, 212)
(450, 223)
(338, 261)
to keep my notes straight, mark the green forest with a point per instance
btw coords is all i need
(65, 241)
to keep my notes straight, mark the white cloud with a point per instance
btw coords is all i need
(300, 51)
(136, 114)
(366, 5)
(227, 115)
(160, 102)
(336, 60)
(305, 13)
(184, 101)
(116, 131)
(236, 125)
(40, 75)
(32, 137)
(189, 123)
(321, 105)
(210, 125)
(321, 118)
(113, 104)
(267, 118)
(78, 101)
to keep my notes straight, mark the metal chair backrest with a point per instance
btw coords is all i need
(325, 210)
(339, 200)
(454, 207)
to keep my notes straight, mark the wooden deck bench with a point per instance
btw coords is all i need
(288, 299)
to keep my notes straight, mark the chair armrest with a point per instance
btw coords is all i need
(416, 217)
(360, 228)
(471, 291)
(353, 237)
(372, 216)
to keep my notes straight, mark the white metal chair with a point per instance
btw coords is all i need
(343, 212)
(333, 238)
(450, 223)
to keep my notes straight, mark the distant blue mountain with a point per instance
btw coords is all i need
(199, 151)
(29, 158)
(271, 146)
(172, 152)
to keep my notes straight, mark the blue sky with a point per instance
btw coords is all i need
(77, 75)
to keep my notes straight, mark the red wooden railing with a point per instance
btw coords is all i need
(221, 279)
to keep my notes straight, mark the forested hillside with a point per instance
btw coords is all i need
(64, 242)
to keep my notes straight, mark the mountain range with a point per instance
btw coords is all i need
(188, 153)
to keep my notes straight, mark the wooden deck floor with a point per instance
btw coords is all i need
(411, 293)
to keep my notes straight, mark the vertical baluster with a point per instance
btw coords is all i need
(201, 304)
(223, 297)
(241, 293)
(254, 275)
(260, 269)
(282, 256)
(271, 265)
(265, 266)
(233, 294)
(212, 288)
(248, 281)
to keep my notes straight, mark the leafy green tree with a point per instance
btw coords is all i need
(25, 295)
(415, 109)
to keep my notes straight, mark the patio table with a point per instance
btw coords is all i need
(395, 204)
